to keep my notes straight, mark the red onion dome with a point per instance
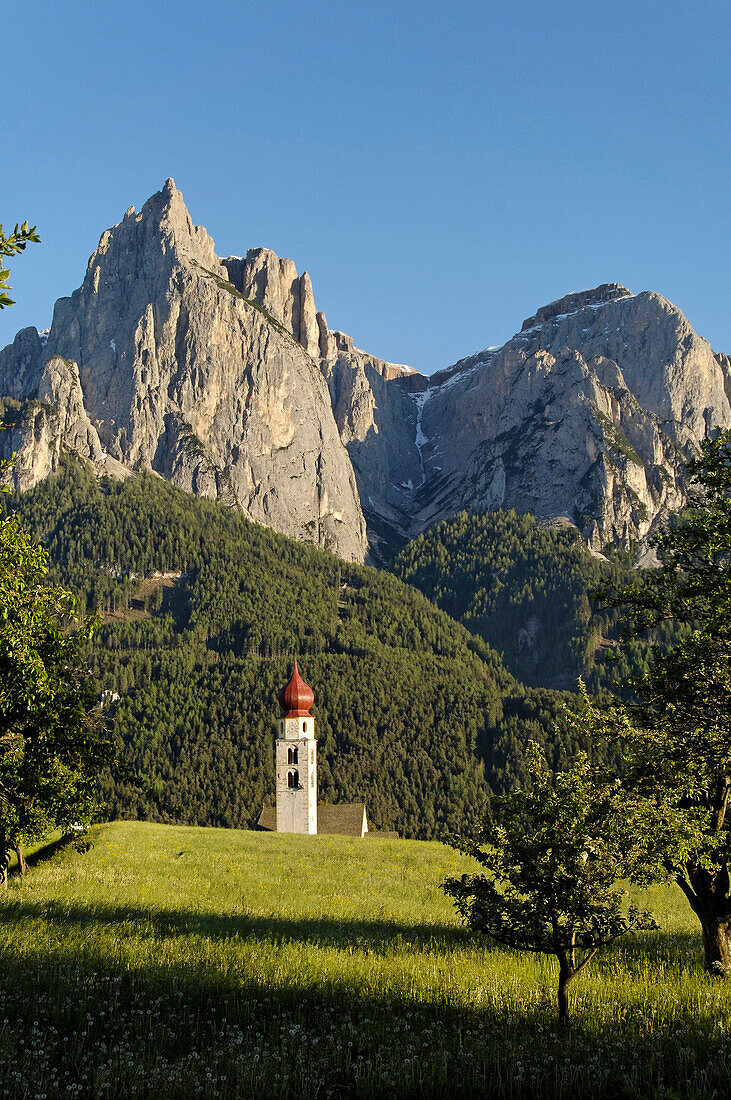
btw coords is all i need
(296, 698)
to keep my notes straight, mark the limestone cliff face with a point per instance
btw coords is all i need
(52, 421)
(376, 418)
(588, 412)
(222, 376)
(374, 415)
(176, 372)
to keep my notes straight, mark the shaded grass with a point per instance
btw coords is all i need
(179, 962)
(39, 850)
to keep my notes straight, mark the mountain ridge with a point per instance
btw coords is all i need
(223, 376)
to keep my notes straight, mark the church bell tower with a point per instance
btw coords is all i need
(296, 759)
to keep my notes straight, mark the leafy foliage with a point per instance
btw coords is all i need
(50, 749)
(10, 245)
(551, 858)
(678, 728)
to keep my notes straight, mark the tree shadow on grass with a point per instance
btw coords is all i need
(483, 1043)
(475, 1050)
(42, 853)
(45, 852)
(369, 935)
(681, 951)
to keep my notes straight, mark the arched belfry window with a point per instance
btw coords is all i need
(293, 779)
(304, 727)
(292, 756)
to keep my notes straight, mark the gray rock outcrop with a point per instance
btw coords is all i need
(375, 418)
(44, 426)
(588, 412)
(176, 372)
(222, 376)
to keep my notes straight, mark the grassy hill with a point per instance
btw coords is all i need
(202, 612)
(167, 961)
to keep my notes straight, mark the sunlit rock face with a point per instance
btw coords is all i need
(177, 373)
(588, 413)
(222, 376)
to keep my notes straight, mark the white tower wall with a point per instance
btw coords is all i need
(296, 775)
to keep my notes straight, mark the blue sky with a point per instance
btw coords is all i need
(440, 169)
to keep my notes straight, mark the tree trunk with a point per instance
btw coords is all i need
(22, 865)
(716, 945)
(708, 894)
(565, 976)
(3, 862)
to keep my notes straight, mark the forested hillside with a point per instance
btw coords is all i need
(526, 590)
(415, 715)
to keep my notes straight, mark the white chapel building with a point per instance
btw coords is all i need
(295, 761)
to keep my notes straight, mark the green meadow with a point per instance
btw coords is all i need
(146, 960)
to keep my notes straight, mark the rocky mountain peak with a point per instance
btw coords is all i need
(163, 225)
(588, 412)
(572, 303)
(223, 376)
(171, 370)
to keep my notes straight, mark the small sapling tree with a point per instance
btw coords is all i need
(552, 856)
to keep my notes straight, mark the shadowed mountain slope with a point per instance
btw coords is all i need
(202, 612)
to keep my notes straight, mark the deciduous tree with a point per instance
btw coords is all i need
(551, 858)
(677, 729)
(51, 751)
(51, 748)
